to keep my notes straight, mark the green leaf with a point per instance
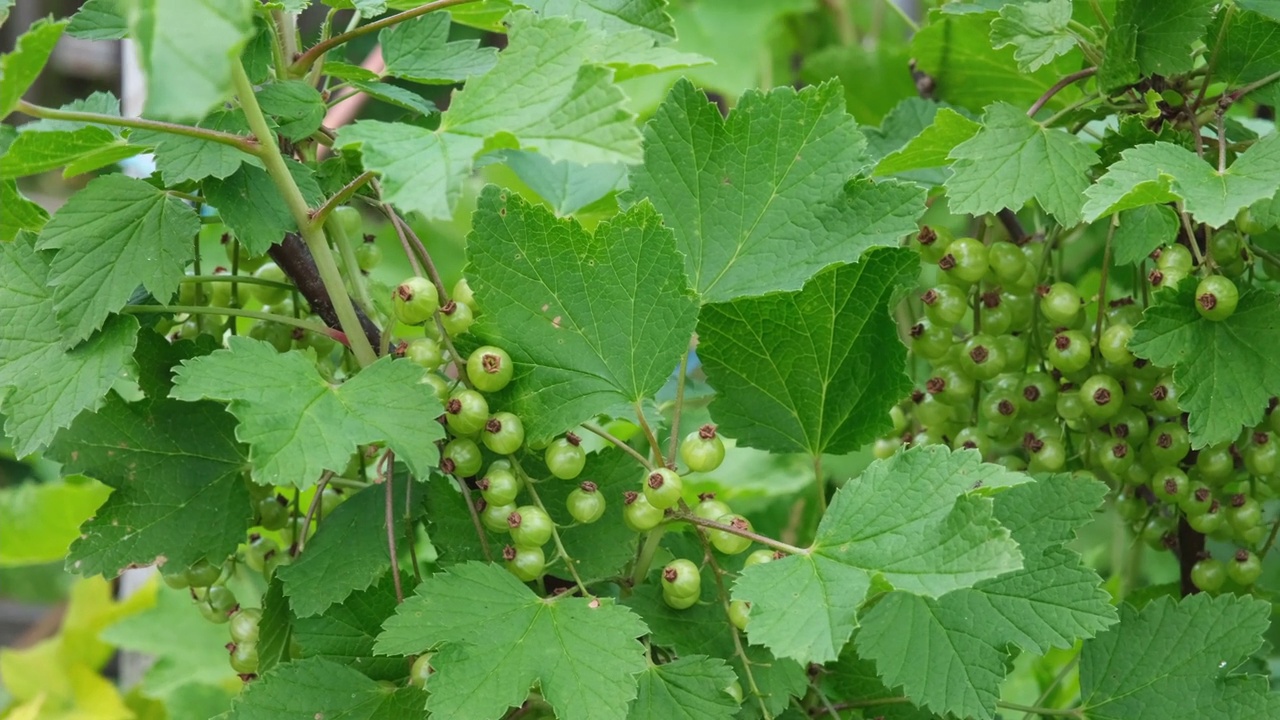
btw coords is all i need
(450, 529)
(422, 171)
(43, 384)
(1266, 8)
(1013, 159)
(1119, 66)
(419, 50)
(275, 629)
(298, 425)
(38, 521)
(566, 187)
(20, 213)
(872, 76)
(110, 236)
(1038, 30)
(186, 48)
(20, 68)
(964, 635)
(348, 553)
(81, 151)
(1162, 172)
(1227, 371)
(494, 638)
(303, 689)
(1142, 230)
(913, 520)
(296, 108)
(1177, 659)
(1249, 51)
(613, 16)
(1163, 32)
(186, 647)
(763, 200)
(933, 146)
(856, 678)
(583, 340)
(182, 159)
(250, 204)
(345, 633)
(395, 95)
(100, 20)
(691, 688)
(845, 366)
(176, 473)
(602, 549)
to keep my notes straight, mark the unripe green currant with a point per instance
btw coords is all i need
(760, 557)
(681, 578)
(466, 412)
(415, 300)
(1245, 568)
(1208, 574)
(526, 562)
(702, 449)
(270, 294)
(1216, 298)
(368, 254)
(494, 517)
(503, 433)
(421, 671)
(499, 485)
(461, 457)
(586, 504)
(565, 457)
(739, 613)
(638, 514)
(424, 352)
(489, 368)
(462, 293)
(965, 261)
(530, 526)
(731, 543)
(709, 508)
(456, 317)
(662, 488)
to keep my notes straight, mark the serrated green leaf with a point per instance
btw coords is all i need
(250, 204)
(100, 20)
(1267, 8)
(176, 473)
(20, 213)
(419, 50)
(102, 103)
(186, 48)
(44, 385)
(1249, 51)
(422, 170)
(494, 638)
(566, 187)
(182, 159)
(1142, 230)
(114, 234)
(1037, 29)
(345, 633)
(613, 16)
(20, 68)
(294, 106)
(764, 199)
(303, 689)
(450, 529)
(932, 147)
(38, 521)
(1163, 172)
(1013, 159)
(912, 520)
(591, 321)
(298, 425)
(845, 369)
(186, 647)
(1227, 371)
(1177, 659)
(689, 688)
(347, 554)
(1119, 66)
(854, 677)
(395, 95)
(82, 150)
(275, 629)
(1163, 32)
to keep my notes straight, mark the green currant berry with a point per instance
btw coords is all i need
(950, 385)
(489, 368)
(1069, 351)
(759, 557)
(244, 625)
(1245, 568)
(238, 255)
(586, 503)
(1225, 247)
(270, 294)
(203, 574)
(896, 417)
(260, 552)
(662, 488)
(679, 602)
(421, 671)
(681, 578)
(278, 336)
(466, 412)
(244, 658)
(462, 293)
(1216, 298)
(273, 512)
(1175, 258)
(565, 457)
(1044, 454)
(1103, 397)
(416, 301)
(1243, 513)
(1262, 455)
(440, 385)
(945, 304)
(220, 601)
(1164, 397)
(461, 457)
(703, 450)
(499, 485)
(1209, 521)
(526, 562)
(970, 438)
(177, 581)
(739, 614)
(1208, 574)
(425, 352)
(503, 433)
(1170, 484)
(1038, 394)
(494, 517)
(1060, 303)
(1129, 506)
(1216, 463)
(885, 448)
(965, 261)
(929, 410)
(1132, 425)
(368, 254)
(1116, 458)
(1014, 348)
(982, 359)
(638, 514)
(727, 542)
(932, 243)
(1198, 500)
(330, 498)
(1114, 345)
(709, 508)
(456, 317)
(929, 341)
(1006, 261)
(349, 221)
(530, 526)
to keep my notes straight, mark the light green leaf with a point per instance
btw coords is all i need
(613, 16)
(1227, 371)
(100, 20)
(295, 107)
(422, 171)
(764, 199)
(419, 50)
(856, 677)
(633, 53)
(689, 688)
(1163, 32)
(347, 554)
(250, 204)
(20, 68)
(19, 213)
(494, 638)
(1119, 66)
(1163, 172)
(102, 103)
(1142, 230)
(275, 629)
(1177, 660)
(912, 520)
(844, 369)
(1037, 29)
(1013, 159)
(182, 159)
(44, 385)
(1249, 51)
(591, 321)
(566, 187)
(345, 633)
(303, 689)
(81, 149)
(1267, 8)
(186, 48)
(114, 234)
(38, 521)
(932, 147)
(186, 647)
(395, 95)
(297, 425)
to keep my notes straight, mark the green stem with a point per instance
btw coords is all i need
(618, 443)
(241, 279)
(820, 481)
(652, 541)
(686, 516)
(648, 434)
(569, 562)
(307, 325)
(1049, 712)
(311, 234)
(317, 51)
(1213, 58)
(679, 407)
(1057, 680)
(238, 142)
(475, 519)
(352, 266)
(1101, 16)
(902, 13)
(322, 213)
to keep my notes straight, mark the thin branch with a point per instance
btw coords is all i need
(686, 516)
(820, 481)
(317, 51)
(901, 12)
(412, 536)
(475, 519)
(237, 312)
(1222, 140)
(234, 278)
(239, 142)
(648, 433)
(618, 443)
(652, 541)
(386, 472)
(1059, 87)
(318, 217)
(1102, 288)
(679, 407)
(404, 240)
(1191, 236)
(1013, 226)
(1213, 58)
(316, 502)
(1057, 680)
(569, 562)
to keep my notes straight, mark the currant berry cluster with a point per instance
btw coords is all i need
(1016, 370)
